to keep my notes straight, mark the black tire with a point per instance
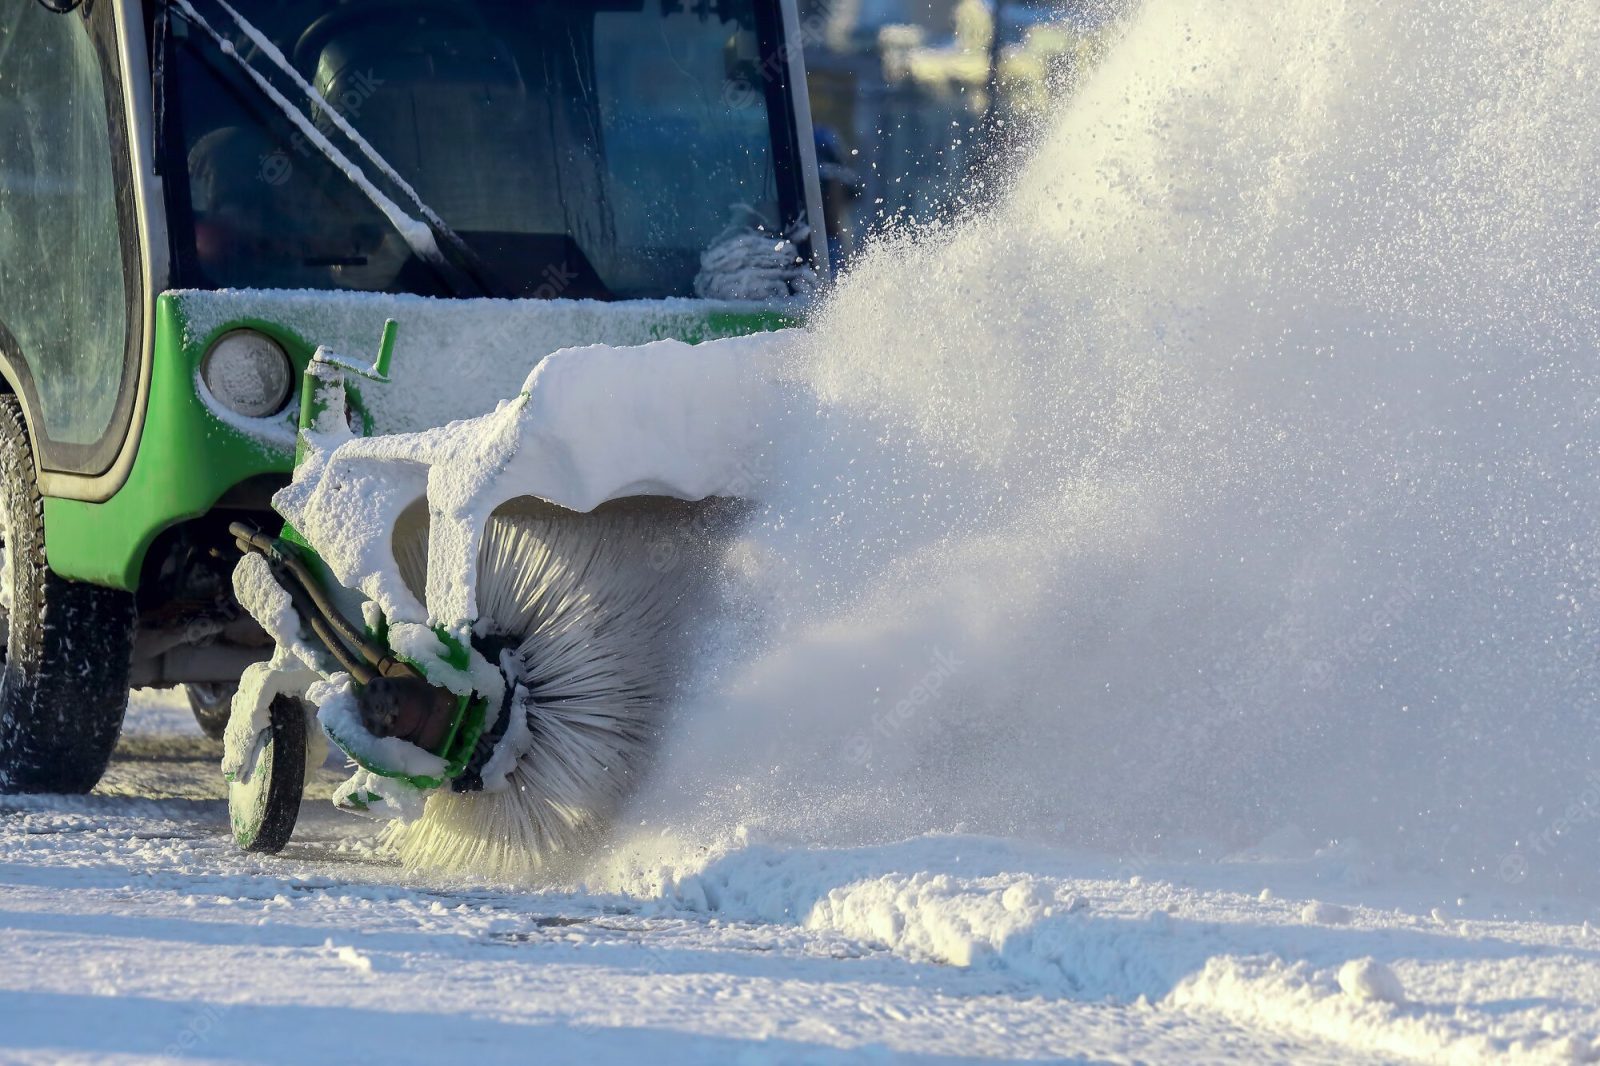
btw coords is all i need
(211, 705)
(263, 810)
(68, 645)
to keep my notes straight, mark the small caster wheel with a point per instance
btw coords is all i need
(263, 808)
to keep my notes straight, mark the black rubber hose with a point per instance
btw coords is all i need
(382, 662)
(360, 671)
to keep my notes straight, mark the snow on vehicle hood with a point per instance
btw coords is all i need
(453, 358)
(589, 425)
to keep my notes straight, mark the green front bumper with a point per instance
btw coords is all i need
(190, 456)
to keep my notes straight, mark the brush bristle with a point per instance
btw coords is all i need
(596, 604)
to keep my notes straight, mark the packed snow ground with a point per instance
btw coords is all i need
(133, 930)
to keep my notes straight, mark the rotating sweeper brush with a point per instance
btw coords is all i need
(494, 662)
(488, 621)
(583, 618)
(586, 626)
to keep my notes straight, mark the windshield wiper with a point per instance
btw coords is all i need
(429, 236)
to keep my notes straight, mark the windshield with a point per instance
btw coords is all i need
(580, 149)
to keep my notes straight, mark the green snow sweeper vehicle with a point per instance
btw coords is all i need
(201, 200)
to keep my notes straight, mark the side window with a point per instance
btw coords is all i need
(62, 289)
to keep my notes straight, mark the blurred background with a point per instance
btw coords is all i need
(916, 101)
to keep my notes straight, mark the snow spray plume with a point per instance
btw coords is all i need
(1239, 472)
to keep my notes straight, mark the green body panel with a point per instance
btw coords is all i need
(718, 324)
(188, 459)
(189, 456)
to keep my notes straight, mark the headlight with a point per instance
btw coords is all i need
(248, 372)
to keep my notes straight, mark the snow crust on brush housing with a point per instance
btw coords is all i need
(590, 425)
(587, 425)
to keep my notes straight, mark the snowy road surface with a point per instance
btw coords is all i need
(134, 931)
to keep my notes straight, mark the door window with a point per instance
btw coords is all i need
(63, 295)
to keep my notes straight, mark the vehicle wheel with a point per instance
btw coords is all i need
(67, 645)
(263, 809)
(211, 705)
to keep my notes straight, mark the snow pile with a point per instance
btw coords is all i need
(1075, 927)
(1322, 913)
(1239, 471)
(1370, 979)
(1274, 994)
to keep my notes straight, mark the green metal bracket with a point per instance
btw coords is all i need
(325, 387)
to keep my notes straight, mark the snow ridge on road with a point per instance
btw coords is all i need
(1197, 938)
